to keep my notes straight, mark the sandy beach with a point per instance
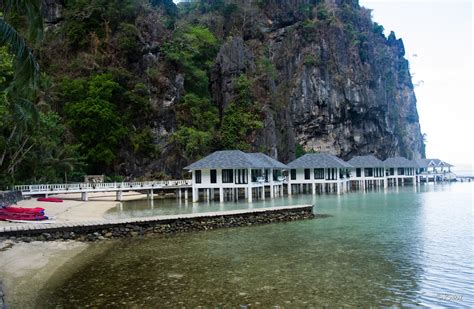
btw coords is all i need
(28, 266)
(72, 209)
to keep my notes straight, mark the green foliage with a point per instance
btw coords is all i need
(143, 142)
(299, 150)
(268, 68)
(128, 41)
(237, 125)
(101, 17)
(26, 69)
(193, 142)
(193, 51)
(310, 60)
(198, 113)
(322, 13)
(378, 29)
(241, 118)
(92, 115)
(197, 119)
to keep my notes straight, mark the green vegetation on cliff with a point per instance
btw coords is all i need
(141, 88)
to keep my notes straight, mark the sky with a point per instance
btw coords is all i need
(438, 39)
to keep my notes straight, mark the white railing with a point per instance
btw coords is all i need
(108, 186)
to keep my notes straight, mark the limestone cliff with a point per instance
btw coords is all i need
(324, 76)
(339, 84)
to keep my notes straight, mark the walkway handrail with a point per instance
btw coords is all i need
(101, 186)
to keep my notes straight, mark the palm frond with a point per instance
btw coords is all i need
(32, 10)
(24, 112)
(27, 68)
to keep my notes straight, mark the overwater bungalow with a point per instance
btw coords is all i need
(433, 170)
(367, 171)
(233, 174)
(318, 172)
(400, 170)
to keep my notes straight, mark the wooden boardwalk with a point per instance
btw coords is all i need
(118, 187)
(36, 228)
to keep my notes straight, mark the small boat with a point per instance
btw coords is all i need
(19, 214)
(28, 217)
(24, 210)
(49, 199)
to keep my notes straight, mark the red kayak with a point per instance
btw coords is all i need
(36, 210)
(49, 199)
(7, 215)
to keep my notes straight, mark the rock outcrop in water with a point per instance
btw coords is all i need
(323, 75)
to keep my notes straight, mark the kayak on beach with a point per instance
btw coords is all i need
(49, 199)
(19, 213)
(24, 209)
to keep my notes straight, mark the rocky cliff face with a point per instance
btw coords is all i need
(338, 86)
(323, 74)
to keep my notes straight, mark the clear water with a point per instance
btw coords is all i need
(405, 248)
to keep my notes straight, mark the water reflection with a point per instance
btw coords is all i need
(378, 249)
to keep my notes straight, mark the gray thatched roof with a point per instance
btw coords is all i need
(318, 160)
(365, 161)
(432, 163)
(399, 162)
(272, 163)
(235, 159)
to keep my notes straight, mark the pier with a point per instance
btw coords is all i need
(230, 175)
(159, 224)
(181, 187)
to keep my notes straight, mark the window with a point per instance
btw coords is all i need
(331, 174)
(197, 176)
(227, 176)
(401, 171)
(368, 172)
(319, 173)
(213, 176)
(293, 174)
(391, 171)
(307, 173)
(358, 172)
(276, 174)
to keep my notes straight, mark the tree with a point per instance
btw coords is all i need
(241, 118)
(93, 116)
(26, 66)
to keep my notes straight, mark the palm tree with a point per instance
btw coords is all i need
(27, 68)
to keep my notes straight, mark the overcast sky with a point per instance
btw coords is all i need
(439, 45)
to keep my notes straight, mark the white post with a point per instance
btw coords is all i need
(249, 188)
(195, 195)
(313, 188)
(84, 196)
(118, 196)
(185, 194)
(263, 192)
(221, 194)
(272, 195)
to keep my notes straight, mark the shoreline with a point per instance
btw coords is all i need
(72, 209)
(29, 266)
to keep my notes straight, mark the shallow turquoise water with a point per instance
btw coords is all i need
(408, 247)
